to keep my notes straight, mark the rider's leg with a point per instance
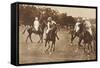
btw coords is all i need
(79, 43)
(73, 37)
(46, 34)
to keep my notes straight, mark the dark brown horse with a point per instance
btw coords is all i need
(39, 32)
(84, 36)
(51, 37)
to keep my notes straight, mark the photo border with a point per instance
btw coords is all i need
(46, 4)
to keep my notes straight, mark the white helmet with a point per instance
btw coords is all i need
(36, 18)
(49, 18)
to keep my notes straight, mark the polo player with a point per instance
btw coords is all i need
(87, 25)
(49, 26)
(77, 26)
(36, 24)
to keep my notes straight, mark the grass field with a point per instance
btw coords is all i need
(35, 52)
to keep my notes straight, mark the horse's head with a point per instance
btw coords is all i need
(54, 27)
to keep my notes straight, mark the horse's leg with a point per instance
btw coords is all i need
(27, 38)
(48, 46)
(45, 43)
(93, 46)
(24, 30)
(87, 49)
(41, 38)
(51, 49)
(93, 43)
(72, 38)
(90, 47)
(53, 44)
(79, 43)
(90, 44)
(84, 47)
(30, 37)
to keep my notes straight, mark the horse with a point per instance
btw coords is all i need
(39, 32)
(51, 37)
(84, 35)
(90, 40)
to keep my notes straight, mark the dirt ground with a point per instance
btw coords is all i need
(35, 52)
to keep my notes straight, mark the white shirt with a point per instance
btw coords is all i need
(50, 23)
(77, 26)
(36, 24)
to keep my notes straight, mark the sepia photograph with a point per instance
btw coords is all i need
(51, 33)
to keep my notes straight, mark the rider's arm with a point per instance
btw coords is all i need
(48, 25)
(53, 22)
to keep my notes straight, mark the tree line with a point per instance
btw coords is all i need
(27, 15)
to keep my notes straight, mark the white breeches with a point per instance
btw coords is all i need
(36, 28)
(76, 29)
(48, 30)
(36, 25)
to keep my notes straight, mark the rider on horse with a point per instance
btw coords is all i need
(77, 26)
(81, 25)
(83, 31)
(88, 26)
(50, 26)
